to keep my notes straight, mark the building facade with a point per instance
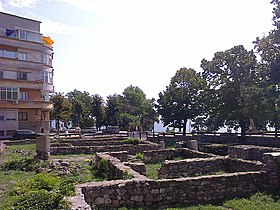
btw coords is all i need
(26, 76)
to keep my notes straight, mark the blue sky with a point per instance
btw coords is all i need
(103, 46)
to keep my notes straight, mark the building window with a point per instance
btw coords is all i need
(11, 116)
(2, 118)
(22, 56)
(43, 115)
(8, 54)
(22, 116)
(1, 74)
(10, 33)
(29, 36)
(22, 35)
(1, 133)
(23, 96)
(47, 77)
(22, 75)
(7, 93)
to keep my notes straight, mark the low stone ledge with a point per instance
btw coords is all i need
(131, 149)
(121, 155)
(155, 156)
(139, 167)
(250, 152)
(117, 168)
(173, 192)
(78, 201)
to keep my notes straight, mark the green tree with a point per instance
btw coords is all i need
(113, 109)
(183, 99)
(141, 108)
(234, 81)
(268, 47)
(98, 110)
(61, 109)
(81, 106)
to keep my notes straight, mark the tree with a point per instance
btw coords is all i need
(183, 99)
(113, 109)
(98, 110)
(234, 80)
(81, 106)
(268, 47)
(61, 109)
(141, 108)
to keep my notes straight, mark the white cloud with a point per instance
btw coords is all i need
(49, 26)
(18, 3)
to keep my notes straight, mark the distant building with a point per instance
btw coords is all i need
(26, 76)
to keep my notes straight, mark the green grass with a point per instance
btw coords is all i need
(258, 201)
(7, 181)
(151, 170)
(199, 207)
(17, 164)
(71, 156)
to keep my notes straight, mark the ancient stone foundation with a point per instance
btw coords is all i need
(174, 192)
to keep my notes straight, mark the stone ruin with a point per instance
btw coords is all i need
(196, 178)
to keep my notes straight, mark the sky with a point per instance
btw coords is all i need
(103, 46)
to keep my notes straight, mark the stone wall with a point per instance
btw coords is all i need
(139, 167)
(201, 166)
(156, 156)
(249, 152)
(226, 138)
(131, 149)
(116, 168)
(121, 155)
(217, 149)
(154, 194)
(251, 176)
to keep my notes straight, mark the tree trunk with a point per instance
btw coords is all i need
(243, 132)
(57, 125)
(185, 127)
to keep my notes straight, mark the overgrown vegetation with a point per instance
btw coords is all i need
(134, 141)
(152, 169)
(23, 187)
(101, 170)
(44, 191)
(139, 156)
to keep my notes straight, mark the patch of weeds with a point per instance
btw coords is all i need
(101, 170)
(258, 201)
(198, 207)
(178, 158)
(127, 175)
(24, 164)
(152, 170)
(207, 174)
(139, 156)
(134, 141)
(40, 192)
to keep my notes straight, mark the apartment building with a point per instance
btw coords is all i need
(26, 76)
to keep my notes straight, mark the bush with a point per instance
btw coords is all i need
(101, 170)
(43, 191)
(25, 164)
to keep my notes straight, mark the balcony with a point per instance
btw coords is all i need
(17, 104)
(37, 84)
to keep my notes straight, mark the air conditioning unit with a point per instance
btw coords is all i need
(15, 101)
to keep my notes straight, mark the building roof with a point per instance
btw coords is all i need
(20, 17)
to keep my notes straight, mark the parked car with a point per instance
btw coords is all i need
(89, 130)
(25, 134)
(111, 130)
